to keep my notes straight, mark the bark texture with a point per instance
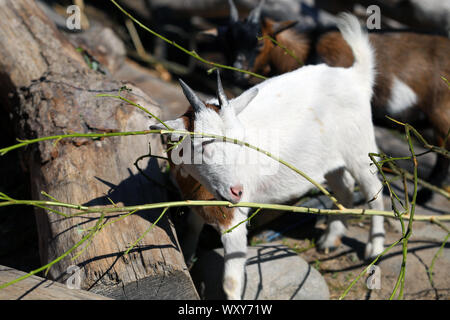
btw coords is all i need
(46, 88)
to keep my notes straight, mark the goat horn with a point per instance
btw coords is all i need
(234, 15)
(193, 99)
(255, 15)
(223, 101)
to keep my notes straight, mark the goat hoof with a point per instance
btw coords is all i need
(230, 286)
(326, 250)
(327, 244)
(372, 251)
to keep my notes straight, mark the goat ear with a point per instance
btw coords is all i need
(234, 15)
(273, 28)
(255, 15)
(268, 22)
(278, 27)
(239, 103)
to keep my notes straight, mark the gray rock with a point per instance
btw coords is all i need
(273, 272)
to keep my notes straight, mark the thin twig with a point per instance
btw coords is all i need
(190, 53)
(400, 171)
(23, 143)
(146, 231)
(243, 221)
(438, 253)
(408, 233)
(83, 210)
(284, 48)
(48, 265)
(344, 294)
(426, 145)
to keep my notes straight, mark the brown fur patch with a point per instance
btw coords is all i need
(276, 57)
(417, 60)
(262, 60)
(297, 44)
(189, 116)
(191, 189)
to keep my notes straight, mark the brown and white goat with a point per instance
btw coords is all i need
(408, 86)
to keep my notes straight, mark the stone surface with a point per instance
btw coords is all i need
(273, 272)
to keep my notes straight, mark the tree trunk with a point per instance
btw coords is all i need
(46, 89)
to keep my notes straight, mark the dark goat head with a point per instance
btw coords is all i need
(239, 40)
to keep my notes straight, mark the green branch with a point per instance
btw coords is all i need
(408, 233)
(145, 132)
(284, 48)
(83, 210)
(438, 253)
(426, 145)
(190, 53)
(47, 266)
(147, 231)
(344, 294)
(136, 105)
(242, 143)
(23, 143)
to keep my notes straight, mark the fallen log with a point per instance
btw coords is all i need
(166, 94)
(37, 288)
(46, 88)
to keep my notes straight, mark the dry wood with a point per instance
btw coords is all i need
(46, 88)
(168, 95)
(37, 288)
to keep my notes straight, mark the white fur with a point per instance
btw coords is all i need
(235, 250)
(322, 120)
(402, 97)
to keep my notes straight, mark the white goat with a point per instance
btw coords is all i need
(319, 120)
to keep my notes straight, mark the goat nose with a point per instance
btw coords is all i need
(236, 191)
